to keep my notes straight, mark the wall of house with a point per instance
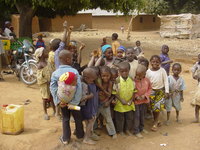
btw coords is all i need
(146, 22)
(110, 22)
(76, 21)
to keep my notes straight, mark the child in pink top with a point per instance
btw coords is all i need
(143, 87)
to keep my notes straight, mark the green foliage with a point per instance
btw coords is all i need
(155, 7)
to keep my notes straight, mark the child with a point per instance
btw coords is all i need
(104, 103)
(121, 52)
(107, 55)
(165, 60)
(90, 97)
(122, 29)
(138, 49)
(196, 70)
(143, 61)
(40, 42)
(104, 42)
(3, 56)
(176, 87)
(143, 88)
(124, 92)
(115, 43)
(196, 100)
(130, 56)
(43, 78)
(65, 59)
(160, 88)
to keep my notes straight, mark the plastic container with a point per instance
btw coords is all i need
(6, 44)
(12, 119)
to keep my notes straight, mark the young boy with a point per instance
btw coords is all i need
(115, 43)
(165, 60)
(176, 87)
(124, 92)
(143, 88)
(130, 56)
(138, 49)
(65, 59)
(40, 42)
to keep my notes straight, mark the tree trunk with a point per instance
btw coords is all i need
(25, 22)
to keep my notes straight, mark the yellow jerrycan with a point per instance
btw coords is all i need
(12, 119)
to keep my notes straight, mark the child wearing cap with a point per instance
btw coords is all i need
(121, 52)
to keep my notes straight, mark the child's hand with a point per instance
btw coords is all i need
(182, 99)
(82, 46)
(62, 104)
(124, 102)
(65, 24)
(107, 93)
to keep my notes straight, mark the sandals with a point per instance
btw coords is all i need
(154, 128)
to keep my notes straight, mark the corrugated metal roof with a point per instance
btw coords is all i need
(100, 12)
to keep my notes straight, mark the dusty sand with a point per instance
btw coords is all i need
(43, 135)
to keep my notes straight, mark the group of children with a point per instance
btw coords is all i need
(117, 87)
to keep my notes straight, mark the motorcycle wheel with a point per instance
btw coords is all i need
(29, 75)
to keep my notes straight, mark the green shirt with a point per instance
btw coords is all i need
(124, 89)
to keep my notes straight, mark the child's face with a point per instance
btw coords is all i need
(138, 43)
(73, 49)
(165, 50)
(155, 63)
(140, 75)
(114, 76)
(120, 53)
(176, 70)
(89, 77)
(105, 76)
(130, 55)
(109, 54)
(104, 40)
(124, 72)
(39, 37)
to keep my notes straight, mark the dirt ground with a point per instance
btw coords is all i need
(43, 135)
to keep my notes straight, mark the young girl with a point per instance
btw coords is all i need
(160, 86)
(143, 88)
(196, 99)
(165, 60)
(124, 92)
(104, 107)
(138, 50)
(43, 78)
(131, 58)
(115, 43)
(176, 87)
(90, 97)
(107, 55)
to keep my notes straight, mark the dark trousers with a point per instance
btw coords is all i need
(139, 118)
(66, 123)
(124, 121)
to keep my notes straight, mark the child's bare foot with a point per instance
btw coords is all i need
(178, 121)
(94, 137)
(145, 131)
(167, 123)
(89, 141)
(195, 121)
(114, 136)
(63, 142)
(139, 135)
(129, 133)
(122, 133)
(46, 117)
